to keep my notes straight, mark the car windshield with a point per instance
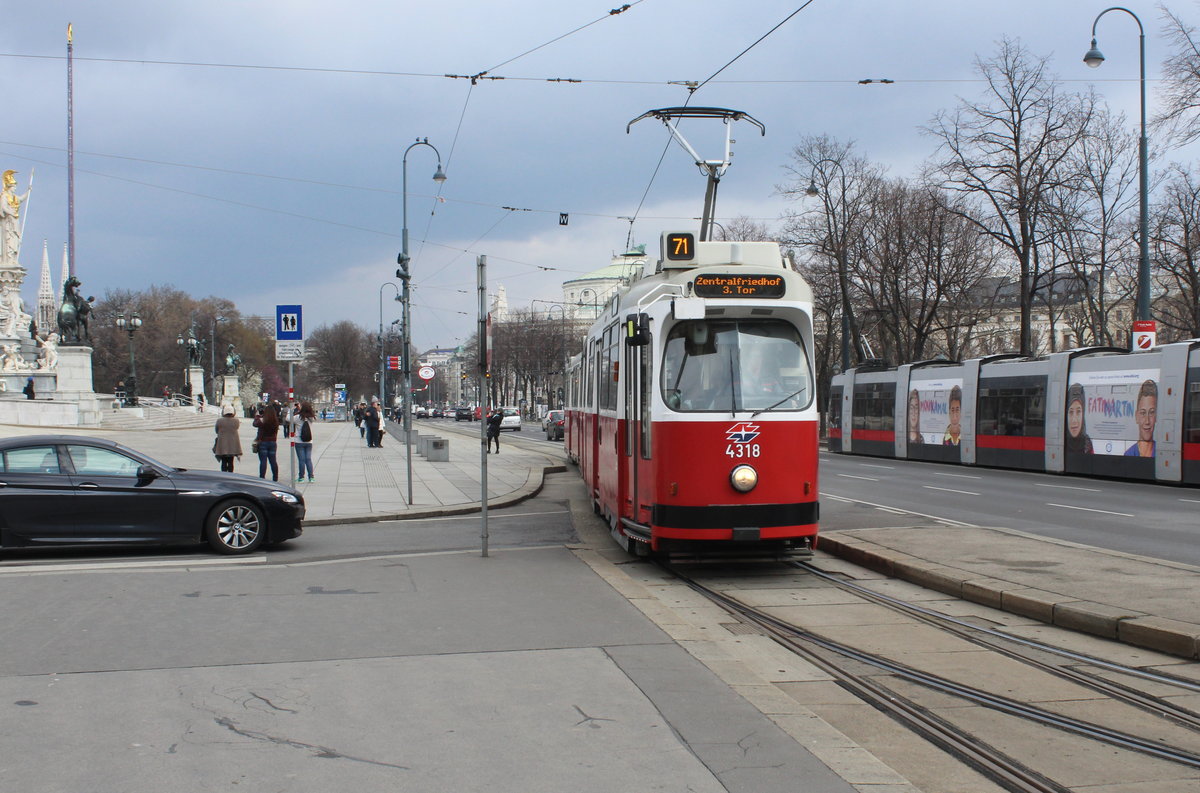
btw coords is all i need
(735, 365)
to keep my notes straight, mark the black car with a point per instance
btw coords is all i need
(463, 413)
(68, 490)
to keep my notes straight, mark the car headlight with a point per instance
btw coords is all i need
(743, 478)
(286, 498)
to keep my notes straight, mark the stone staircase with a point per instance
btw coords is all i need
(151, 415)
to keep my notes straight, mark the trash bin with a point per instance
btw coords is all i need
(439, 451)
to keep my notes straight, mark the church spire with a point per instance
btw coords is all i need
(47, 310)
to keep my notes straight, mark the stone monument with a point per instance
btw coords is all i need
(231, 387)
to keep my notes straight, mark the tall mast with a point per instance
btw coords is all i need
(70, 157)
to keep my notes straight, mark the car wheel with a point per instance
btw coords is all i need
(236, 526)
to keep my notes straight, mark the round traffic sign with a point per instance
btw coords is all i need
(426, 373)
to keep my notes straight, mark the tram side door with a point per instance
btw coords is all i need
(637, 426)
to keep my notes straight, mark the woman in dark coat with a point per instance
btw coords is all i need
(228, 444)
(267, 421)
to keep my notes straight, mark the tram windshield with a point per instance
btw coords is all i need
(735, 365)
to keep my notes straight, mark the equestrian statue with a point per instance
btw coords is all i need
(73, 316)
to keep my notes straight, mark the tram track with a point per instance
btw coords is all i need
(864, 674)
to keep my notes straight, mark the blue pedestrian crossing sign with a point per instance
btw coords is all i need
(289, 324)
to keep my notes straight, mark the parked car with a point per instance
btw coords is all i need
(68, 490)
(556, 421)
(546, 419)
(511, 419)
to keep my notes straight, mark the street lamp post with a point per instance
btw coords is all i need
(382, 349)
(1093, 59)
(191, 348)
(562, 340)
(594, 302)
(843, 277)
(212, 340)
(130, 325)
(403, 274)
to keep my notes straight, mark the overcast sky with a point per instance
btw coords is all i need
(251, 149)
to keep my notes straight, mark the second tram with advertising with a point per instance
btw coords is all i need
(691, 411)
(1094, 411)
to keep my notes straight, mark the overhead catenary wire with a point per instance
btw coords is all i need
(692, 89)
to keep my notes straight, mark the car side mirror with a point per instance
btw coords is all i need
(146, 474)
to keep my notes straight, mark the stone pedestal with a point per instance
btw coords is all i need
(231, 392)
(74, 383)
(195, 378)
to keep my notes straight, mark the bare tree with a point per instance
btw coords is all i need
(1175, 237)
(743, 229)
(339, 353)
(844, 185)
(1179, 92)
(1005, 153)
(1093, 226)
(919, 266)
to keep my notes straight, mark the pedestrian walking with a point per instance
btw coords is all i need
(227, 445)
(267, 441)
(166, 397)
(358, 419)
(200, 403)
(302, 429)
(493, 429)
(373, 418)
(28, 390)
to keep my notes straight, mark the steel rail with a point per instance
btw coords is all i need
(997, 639)
(1003, 704)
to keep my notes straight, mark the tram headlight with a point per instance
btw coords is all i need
(743, 478)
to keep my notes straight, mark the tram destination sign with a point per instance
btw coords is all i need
(738, 285)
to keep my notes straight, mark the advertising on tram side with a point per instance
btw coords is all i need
(1112, 413)
(935, 412)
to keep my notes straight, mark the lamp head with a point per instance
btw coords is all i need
(1094, 56)
(812, 189)
(439, 176)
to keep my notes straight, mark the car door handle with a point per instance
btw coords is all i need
(88, 486)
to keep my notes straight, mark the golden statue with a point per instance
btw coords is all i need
(10, 223)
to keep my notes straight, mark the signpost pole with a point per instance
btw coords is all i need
(482, 373)
(291, 438)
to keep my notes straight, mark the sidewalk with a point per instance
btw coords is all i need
(355, 483)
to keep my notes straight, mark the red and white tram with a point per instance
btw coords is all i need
(692, 412)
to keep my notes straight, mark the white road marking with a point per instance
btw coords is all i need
(950, 490)
(948, 521)
(1190, 500)
(1089, 509)
(1071, 487)
(889, 509)
(960, 476)
(11, 569)
(852, 476)
(885, 467)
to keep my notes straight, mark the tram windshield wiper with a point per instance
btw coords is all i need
(792, 395)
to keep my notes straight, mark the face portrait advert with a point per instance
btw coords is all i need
(1112, 413)
(934, 412)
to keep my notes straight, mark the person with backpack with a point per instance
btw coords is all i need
(302, 421)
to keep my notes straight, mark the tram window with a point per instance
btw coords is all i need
(1012, 411)
(736, 365)
(1191, 426)
(874, 408)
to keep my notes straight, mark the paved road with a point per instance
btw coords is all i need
(1135, 517)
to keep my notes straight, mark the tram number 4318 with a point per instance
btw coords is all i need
(739, 451)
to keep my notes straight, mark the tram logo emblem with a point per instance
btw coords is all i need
(742, 432)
